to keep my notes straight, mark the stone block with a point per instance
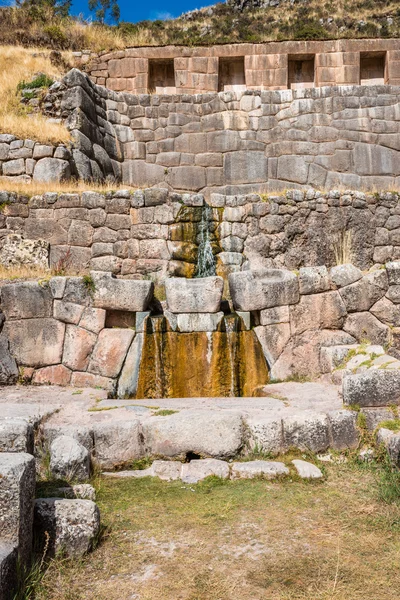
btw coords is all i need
(121, 294)
(8, 365)
(273, 339)
(258, 468)
(202, 295)
(78, 347)
(117, 443)
(267, 288)
(243, 167)
(128, 380)
(51, 170)
(26, 300)
(387, 312)
(110, 351)
(36, 342)
(197, 470)
(317, 311)
(393, 272)
(344, 432)
(17, 493)
(14, 167)
(362, 294)
(313, 280)
(190, 322)
(306, 431)
(67, 312)
(72, 526)
(8, 571)
(306, 470)
(93, 319)
(364, 326)
(53, 375)
(16, 435)
(265, 433)
(69, 459)
(270, 316)
(207, 433)
(377, 387)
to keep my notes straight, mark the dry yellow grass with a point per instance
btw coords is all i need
(31, 189)
(18, 64)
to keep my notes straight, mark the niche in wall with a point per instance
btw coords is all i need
(301, 71)
(161, 76)
(373, 68)
(231, 75)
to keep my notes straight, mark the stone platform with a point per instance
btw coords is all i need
(308, 416)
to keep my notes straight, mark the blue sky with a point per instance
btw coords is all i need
(139, 11)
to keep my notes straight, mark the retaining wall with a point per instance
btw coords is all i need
(233, 142)
(157, 233)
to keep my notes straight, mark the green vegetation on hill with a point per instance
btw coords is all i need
(222, 23)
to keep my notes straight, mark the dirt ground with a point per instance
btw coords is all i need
(240, 540)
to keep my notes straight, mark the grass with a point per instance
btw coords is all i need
(73, 186)
(19, 65)
(253, 540)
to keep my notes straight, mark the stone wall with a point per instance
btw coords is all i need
(336, 62)
(91, 332)
(233, 142)
(157, 233)
(24, 161)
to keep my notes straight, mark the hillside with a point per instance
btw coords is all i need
(236, 21)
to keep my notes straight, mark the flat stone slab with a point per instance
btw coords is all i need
(307, 470)
(258, 468)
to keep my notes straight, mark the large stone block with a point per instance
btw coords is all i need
(128, 380)
(218, 435)
(16, 435)
(245, 167)
(273, 339)
(110, 351)
(72, 525)
(318, 311)
(69, 459)
(313, 280)
(256, 290)
(365, 327)
(8, 365)
(343, 275)
(8, 571)
(189, 322)
(17, 493)
(201, 295)
(36, 342)
(121, 294)
(377, 387)
(306, 431)
(362, 294)
(78, 347)
(26, 300)
(51, 170)
(117, 443)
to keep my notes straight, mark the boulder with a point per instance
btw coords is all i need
(307, 470)
(313, 280)
(16, 435)
(72, 525)
(202, 295)
(69, 459)
(51, 170)
(17, 493)
(256, 290)
(318, 311)
(258, 468)
(364, 326)
(376, 387)
(197, 470)
(121, 294)
(343, 275)
(202, 432)
(8, 365)
(362, 294)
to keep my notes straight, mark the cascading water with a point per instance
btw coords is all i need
(205, 258)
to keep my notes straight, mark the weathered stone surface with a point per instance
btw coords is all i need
(51, 170)
(393, 272)
(307, 470)
(257, 290)
(197, 470)
(117, 443)
(313, 280)
(306, 431)
(265, 433)
(364, 326)
(373, 388)
(19, 251)
(387, 312)
(8, 571)
(110, 351)
(53, 375)
(79, 491)
(8, 366)
(121, 294)
(26, 300)
(270, 316)
(333, 357)
(36, 342)
(16, 435)
(68, 312)
(273, 340)
(343, 429)
(78, 347)
(201, 295)
(17, 492)
(362, 294)
(317, 311)
(93, 319)
(258, 468)
(72, 525)
(206, 433)
(343, 275)
(69, 459)
(128, 380)
(166, 470)
(199, 321)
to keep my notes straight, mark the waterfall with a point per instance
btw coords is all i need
(205, 257)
